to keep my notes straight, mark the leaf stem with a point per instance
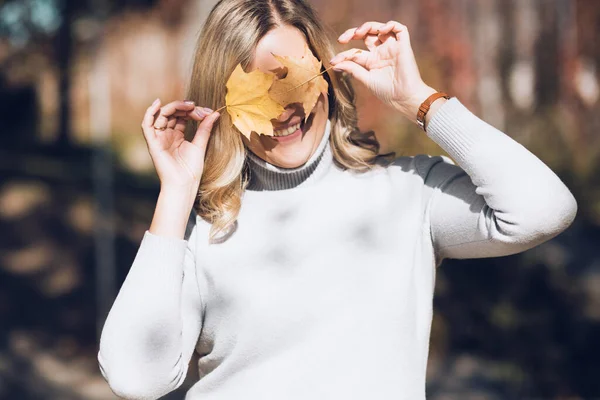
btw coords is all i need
(220, 108)
(308, 80)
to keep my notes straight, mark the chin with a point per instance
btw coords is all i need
(293, 152)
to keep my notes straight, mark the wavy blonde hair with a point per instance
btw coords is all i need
(228, 37)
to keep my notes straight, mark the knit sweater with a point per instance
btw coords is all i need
(324, 289)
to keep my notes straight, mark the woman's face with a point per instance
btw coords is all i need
(295, 149)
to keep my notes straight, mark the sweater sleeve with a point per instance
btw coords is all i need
(499, 200)
(153, 325)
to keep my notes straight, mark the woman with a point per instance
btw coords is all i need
(306, 268)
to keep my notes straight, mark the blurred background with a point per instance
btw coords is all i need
(78, 189)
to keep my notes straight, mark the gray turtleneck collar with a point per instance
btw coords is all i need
(266, 176)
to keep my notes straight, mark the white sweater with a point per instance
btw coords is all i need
(325, 288)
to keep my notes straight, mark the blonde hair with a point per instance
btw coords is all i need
(228, 37)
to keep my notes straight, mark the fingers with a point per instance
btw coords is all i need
(172, 122)
(354, 62)
(372, 41)
(177, 105)
(357, 55)
(148, 120)
(355, 70)
(169, 110)
(370, 27)
(200, 113)
(177, 115)
(204, 130)
(179, 124)
(396, 28)
(374, 33)
(197, 113)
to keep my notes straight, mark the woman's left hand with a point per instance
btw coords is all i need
(388, 69)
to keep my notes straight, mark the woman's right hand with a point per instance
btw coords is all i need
(179, 163)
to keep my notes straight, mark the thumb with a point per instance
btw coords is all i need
(357, 71)
(204, 130)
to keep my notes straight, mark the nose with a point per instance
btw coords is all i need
(284, 116)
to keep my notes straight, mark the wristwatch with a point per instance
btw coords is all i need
(425, 107)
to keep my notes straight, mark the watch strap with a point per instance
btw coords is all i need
(424, 108)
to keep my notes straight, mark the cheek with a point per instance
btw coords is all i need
(323, 103)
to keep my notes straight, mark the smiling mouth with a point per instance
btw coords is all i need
(288, 130)
(294, 121)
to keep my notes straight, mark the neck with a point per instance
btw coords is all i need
(266, 176)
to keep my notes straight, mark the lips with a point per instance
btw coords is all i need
(287, 130)
(291, 138)
(295, 122)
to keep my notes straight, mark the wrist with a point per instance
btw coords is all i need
(185, 194)
(426, 102)
(410, 107)
(172, 212)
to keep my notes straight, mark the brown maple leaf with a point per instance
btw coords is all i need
(253, 99)
(248, 101)
(303, 82)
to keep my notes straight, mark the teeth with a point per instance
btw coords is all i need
(285, 132)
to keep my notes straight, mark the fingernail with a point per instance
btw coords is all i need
(188, 102)
(156, 101)
(208, 110)
(200, 111)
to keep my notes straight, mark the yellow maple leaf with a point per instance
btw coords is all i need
(248, 101)
(302, 84)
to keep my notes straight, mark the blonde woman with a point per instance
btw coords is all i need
(302, 266)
